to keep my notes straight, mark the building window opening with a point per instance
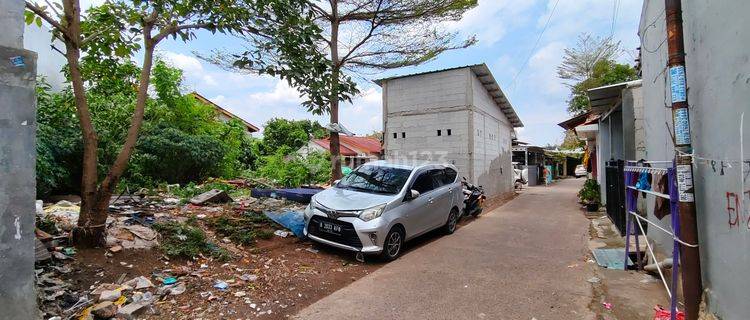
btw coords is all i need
(439, 133)
(403, 134)
(449, 131)
(395, 135)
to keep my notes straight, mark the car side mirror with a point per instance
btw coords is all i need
(335, 182)
(411, 195)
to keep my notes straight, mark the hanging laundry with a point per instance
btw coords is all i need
(661, 205)
(644, 181)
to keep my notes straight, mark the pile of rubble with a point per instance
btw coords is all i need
(129, 226)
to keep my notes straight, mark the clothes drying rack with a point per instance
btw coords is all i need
(633, 219)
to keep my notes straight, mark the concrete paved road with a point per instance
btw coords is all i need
(512, 263)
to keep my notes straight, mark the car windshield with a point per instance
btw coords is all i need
(375, 179)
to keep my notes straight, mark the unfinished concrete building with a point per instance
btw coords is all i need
(458, 115)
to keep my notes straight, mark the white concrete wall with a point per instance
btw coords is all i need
(432, 90)
(717, 45)
(492, 155)
(455, 99)
(422, 142)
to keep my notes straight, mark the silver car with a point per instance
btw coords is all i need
(378, 206)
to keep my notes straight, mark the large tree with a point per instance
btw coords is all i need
(579, 61)
(119, 29)
(360, 36)
(590, 64)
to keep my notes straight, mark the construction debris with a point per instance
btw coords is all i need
(212, 196)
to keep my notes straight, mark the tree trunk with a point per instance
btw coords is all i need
(334, 140)
(94, 232)
(72, 16)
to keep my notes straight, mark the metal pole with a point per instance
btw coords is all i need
(690, 262)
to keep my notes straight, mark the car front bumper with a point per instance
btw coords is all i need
(371, 234)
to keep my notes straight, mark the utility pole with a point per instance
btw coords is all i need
(690, 257)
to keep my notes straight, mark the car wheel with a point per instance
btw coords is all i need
(393, 245)
(450, 225)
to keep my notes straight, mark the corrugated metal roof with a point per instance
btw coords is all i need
(605, 97)
(485, 76)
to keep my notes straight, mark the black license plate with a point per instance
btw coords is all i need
(330, 227)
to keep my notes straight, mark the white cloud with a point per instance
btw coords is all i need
(491, 20)
(282, 94)
(188, 64)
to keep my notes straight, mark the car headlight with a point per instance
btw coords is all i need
(371, 213)
(309, 210)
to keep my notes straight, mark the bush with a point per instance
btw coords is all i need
(590, 193)
(187, 240)
(293, 170)
(170, 155)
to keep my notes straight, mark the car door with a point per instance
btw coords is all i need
(441, 198)
(419, 210)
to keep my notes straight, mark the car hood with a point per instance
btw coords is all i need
(343, 199)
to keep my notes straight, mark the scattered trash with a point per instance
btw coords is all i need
(594, 280)
(611, 258)
(281, 233)
(69, 251)
(139, 283)
(65, 213)
(110, 295)
(132, 237)
(607, 305)
(312, 250)
(221, 285)
(212, 196)
(240, 294)
(60, 256)
(115, 249)
(663, 314)
(292, 220)
(249, 277)
(170, 280)
(104, 310)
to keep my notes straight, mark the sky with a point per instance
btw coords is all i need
(507, 31)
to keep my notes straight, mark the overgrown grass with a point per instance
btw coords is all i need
(191, 189)
(244, 229)
(187, 240)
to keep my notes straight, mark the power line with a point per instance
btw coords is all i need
(525, 62)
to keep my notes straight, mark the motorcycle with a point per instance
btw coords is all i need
(473, 198)
(520, 176)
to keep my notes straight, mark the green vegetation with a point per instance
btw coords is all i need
(244, 229)
(590, 64)
(187, 240)
(182, 141)
(590, 193)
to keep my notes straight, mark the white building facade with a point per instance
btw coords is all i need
(458, 116)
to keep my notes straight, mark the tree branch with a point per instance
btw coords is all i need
(39, 12)
(373, 26)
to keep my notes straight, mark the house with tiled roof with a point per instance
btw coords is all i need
(224, 114)
(354, 150)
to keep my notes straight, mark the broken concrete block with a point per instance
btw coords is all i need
(104, 310)
(109, 295)
(131, 310)
(213, 196)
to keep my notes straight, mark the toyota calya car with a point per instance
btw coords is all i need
(380, 205)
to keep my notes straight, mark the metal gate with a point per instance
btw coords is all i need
(615, 189)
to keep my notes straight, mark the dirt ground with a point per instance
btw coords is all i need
(291, 273)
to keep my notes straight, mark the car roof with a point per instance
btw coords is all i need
(409, 164)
